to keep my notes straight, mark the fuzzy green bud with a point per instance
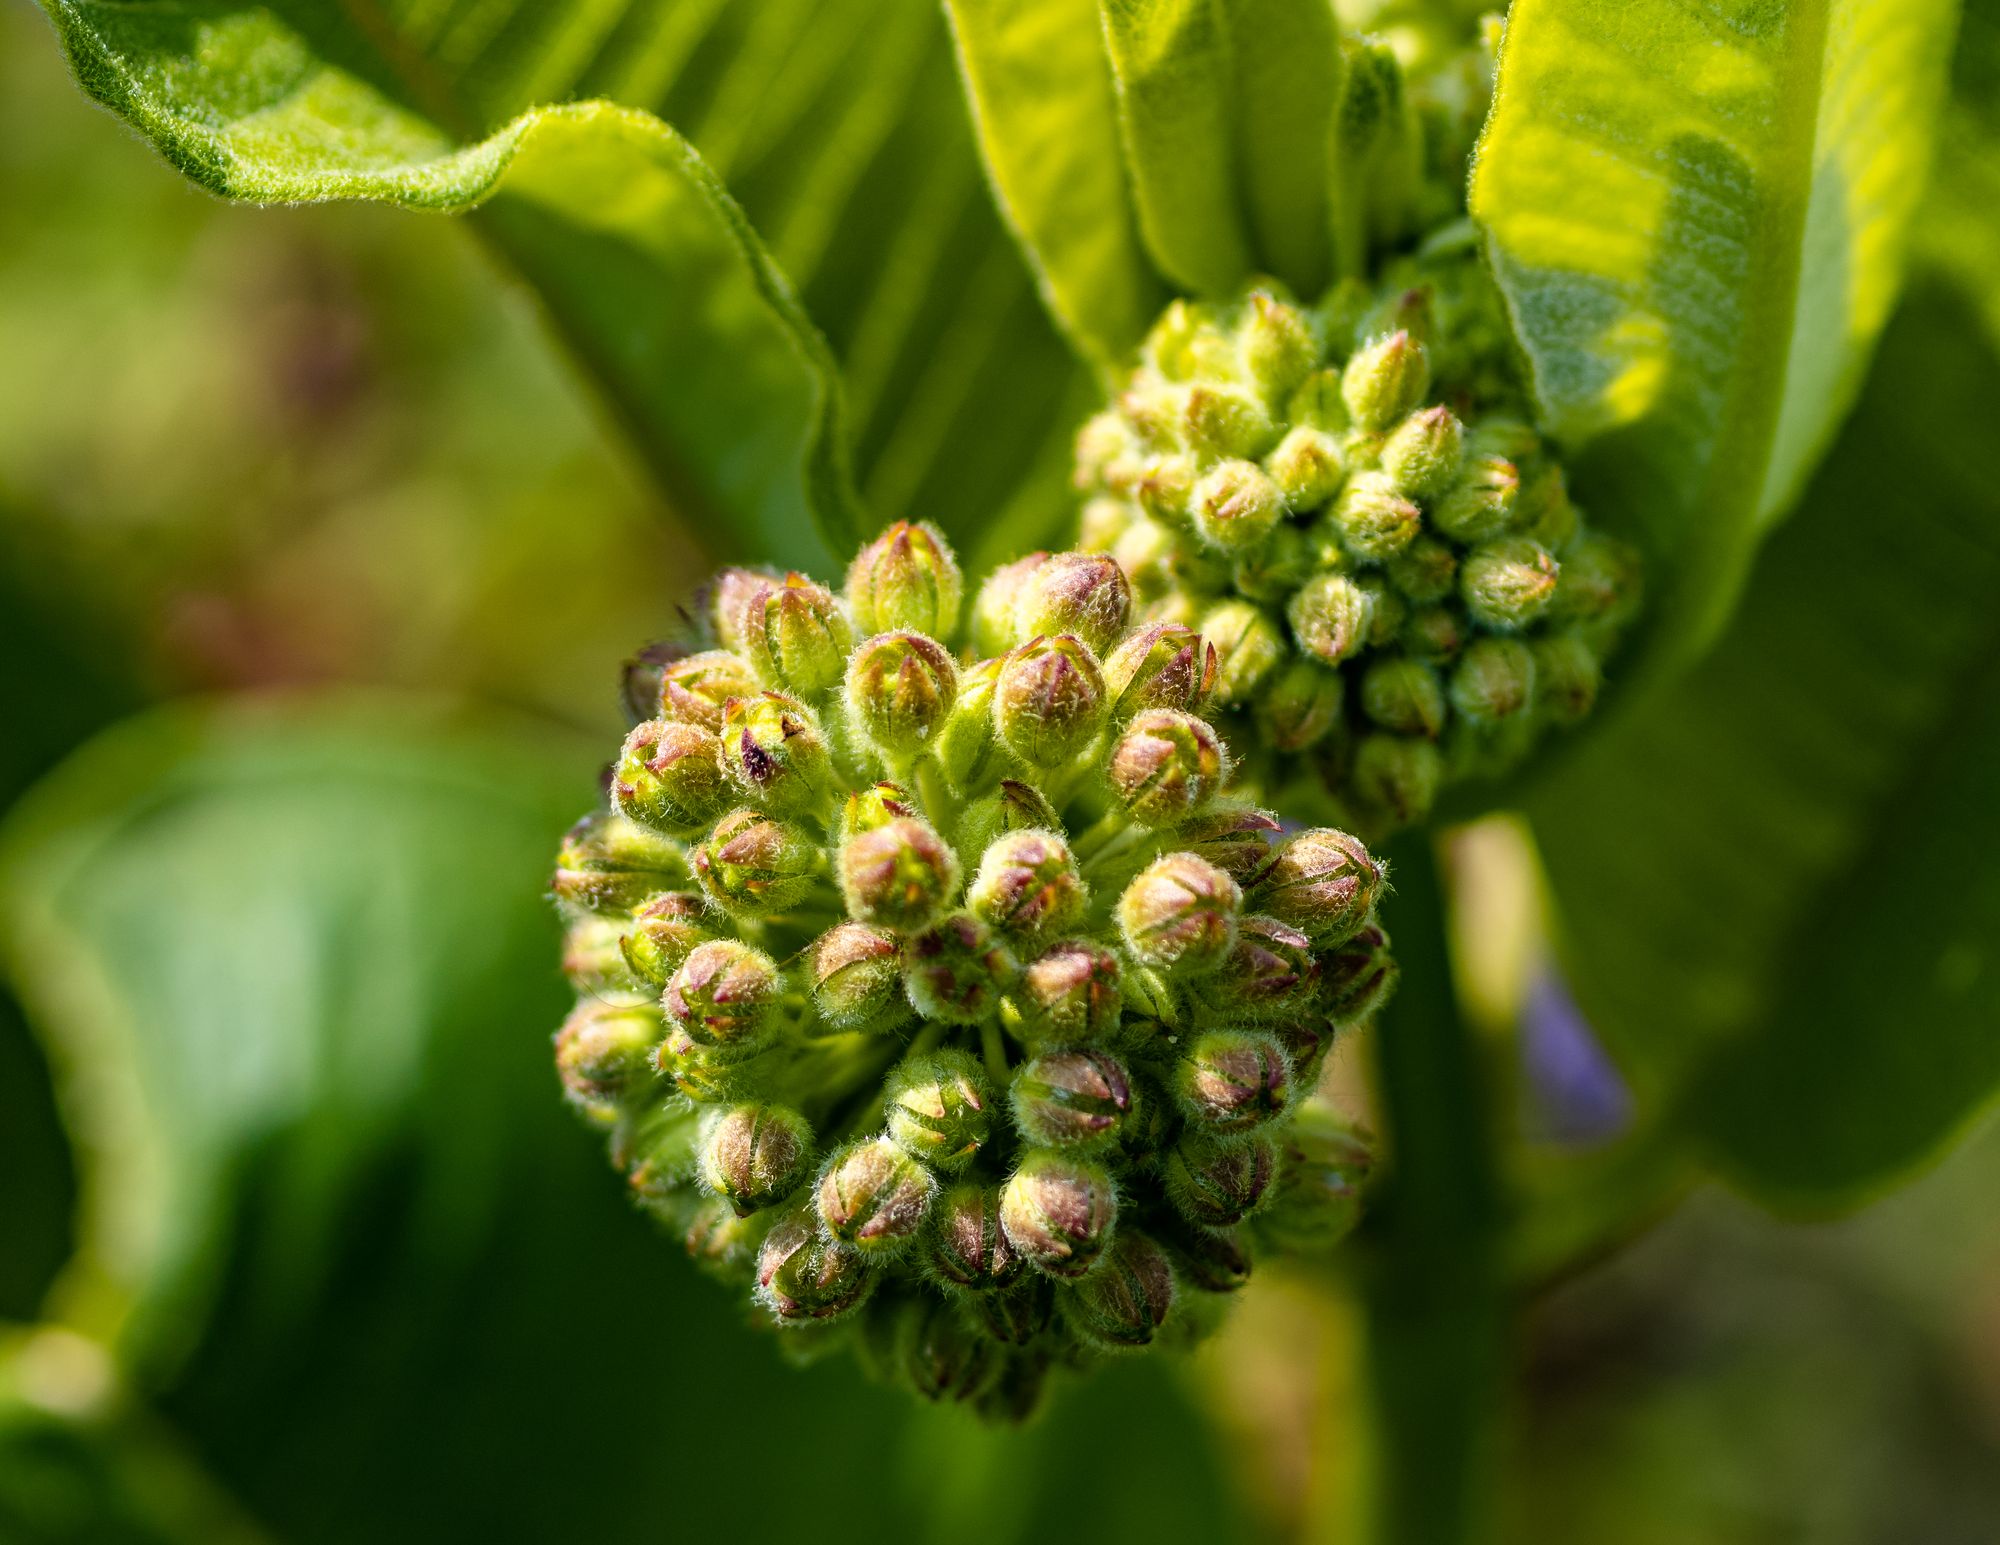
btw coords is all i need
(1071, 1098)
(1494, 681)
(1318, 404)
(611, 864)
(1084, 595)
(720, 1242)
(794, 634)
(1248, 646)
(1308, 468)
(900, 875)
(695, 690)
(1028, 885)
(1322, 1184)
(1236, 505)
(1226, 423)
(1508, 584)
(856, 972)
(874, 1196)
(1397, 775)
(1422, 453)
(752, 866)
(724, 994)
(1480, 505)
(1300, 707)
(1275, 345)
(707, 1075)
(1233, 1081)
(663, 933)
(1599, 582)
(1070, 993)
(939, 1355)
(1179, 914)
(1567, 676)
(1049, 700)
(1233, 840)
(907, 578)
(1058, 1212)
(957, 971)
(1322, 882)
(1374, 522)
(727, 596)
(1271, 970)
(1125, 1302)
(754, 1156)
(940, 1109)
(775, 754)
(965, 1246)
(1385, 379)
(593, 956)
(1425, 572)
(1014, 806)
(1160, 665)
(1219, 1184)
(1166, 766)
(1016, 1315)
(604, 1051)
(876, 806)
(1403, 695)
(1434, 633)
(1331, 617)
(1208, 1259)
(1164, 489)
(996, 609)
(804, 1278)
(1358, 977)
(900, 687)
(1545, 514)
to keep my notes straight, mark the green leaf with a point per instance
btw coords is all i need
(1699, 214)
(1042, 99)
(1286, 87)
(1771, 873)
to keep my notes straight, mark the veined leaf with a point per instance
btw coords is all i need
(1698, 214)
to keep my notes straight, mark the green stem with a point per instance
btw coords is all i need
(1436, 1301)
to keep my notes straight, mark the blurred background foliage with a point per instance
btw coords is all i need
(318, 1256)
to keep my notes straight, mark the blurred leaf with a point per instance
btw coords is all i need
(1285, 82)
(1042, 98)
(1770, 873)
(1698, 214)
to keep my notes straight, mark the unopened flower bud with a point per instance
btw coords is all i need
(611, 864)
(1385, 379)
(1248, 647)
(940, 1109)
(795, 634)
(1275, 345)
(707, 1075)
(964, 1246)
(803, 1277)
(593, 956)
(1358, 977)
(1508, 584)
(1105, 450)
(1422, 453)
(667, 778)
(1103, 522)
(1070, 993)
(664, 933)
(1374, 521)
(856, 971)
(1322, 1184)
(695, 690)
(604, 1051)
(721, 1243)
(1014, 806)
(1397, 775)
(1331, 617)
(1016, 1314)
(1236, 505)
(775, 754)
(1233, 1081)
(755, 1155)
(874, 1196)
(1599, 582)
(1493, 681)
(1049, 701)
(1322, 882)
(1159, 665)
(1082, 594)
(1219, 1184)
(728, 594)
(752, 866)
(1270, 573)
(1319, 405)
(1211, 1260)
(939, 1355)
(996, 626)
(900, 687)
(1058, 1212)
(1480, 505)
(1403, 695)
(724, 994)
(900, 875)
(1071, 1098)
(908, 577)
(1300, 707)
(1179, 914)
(1434, 633)
(1126, 1301)
(1507, 438)
(1271, 970)
(957, 970)
(1166, 766)
(1226, 423)
(1567, 676)
(1151, 557)
(1164, 489)
(1308, 468)
(1545, 514)
(1425, 572)
(1231, 839)
(877, 805)
(639, 680)
(1028, 885)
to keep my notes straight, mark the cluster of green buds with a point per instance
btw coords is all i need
(949, 1002)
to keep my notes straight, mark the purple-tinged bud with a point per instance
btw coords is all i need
(804, 1278)
(1014, 806)
(1480, 505)
(725, 994)
(940, 1109)
(1125, 1302)
(775, 754)
(695, 690)
(866, 810)
(1049, 701)
(900, 876)
(1169, 342)
(1159, 665)
(856, 970)
(957, 971)
(965, 1247)
(1300, 708)
(754, 1156)
(1385, 379)
(1179, 914)
(728, 594)
(1422, 453)
(1219, 1184)
(908, 577)
(610, 864)
(1374, 522)
(1082, 594)
(1319, 405)
(752, 866)
(707, 1075)
(1599, 583)
(1508, 584)
(1210, 1260)
(1331, 617)
(1166, 766)
(1231, 839)
(1273, 571)
(1070, 993)
(664, 933)
(996, 609)
(1494, 681)
(1434, 633)
(1071, 1098)
(1028, 885)
(1322, 882)
(1425, 572)
(1308, 468)
(965, 745)
(1567, 676)
(1223, 422)
(1235, 506)
(874, 1197)
(1248, 647)
(604, 1052)
(1017, 1314)
(939, 1355)
(900, 686)
(1058, 1212)
(1164, 489)
(1271, 971)
(1322, 1184)
(1403, 695)
(1397, 776)
(1545, 514)
(1275, 345)
(1358, 977)
(1307, 1038)
(667, 778)
(593, 956)
(795, 634)
(1233, 1081)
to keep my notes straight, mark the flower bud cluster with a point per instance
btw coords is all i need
(947, 1000)
(1349, 501)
